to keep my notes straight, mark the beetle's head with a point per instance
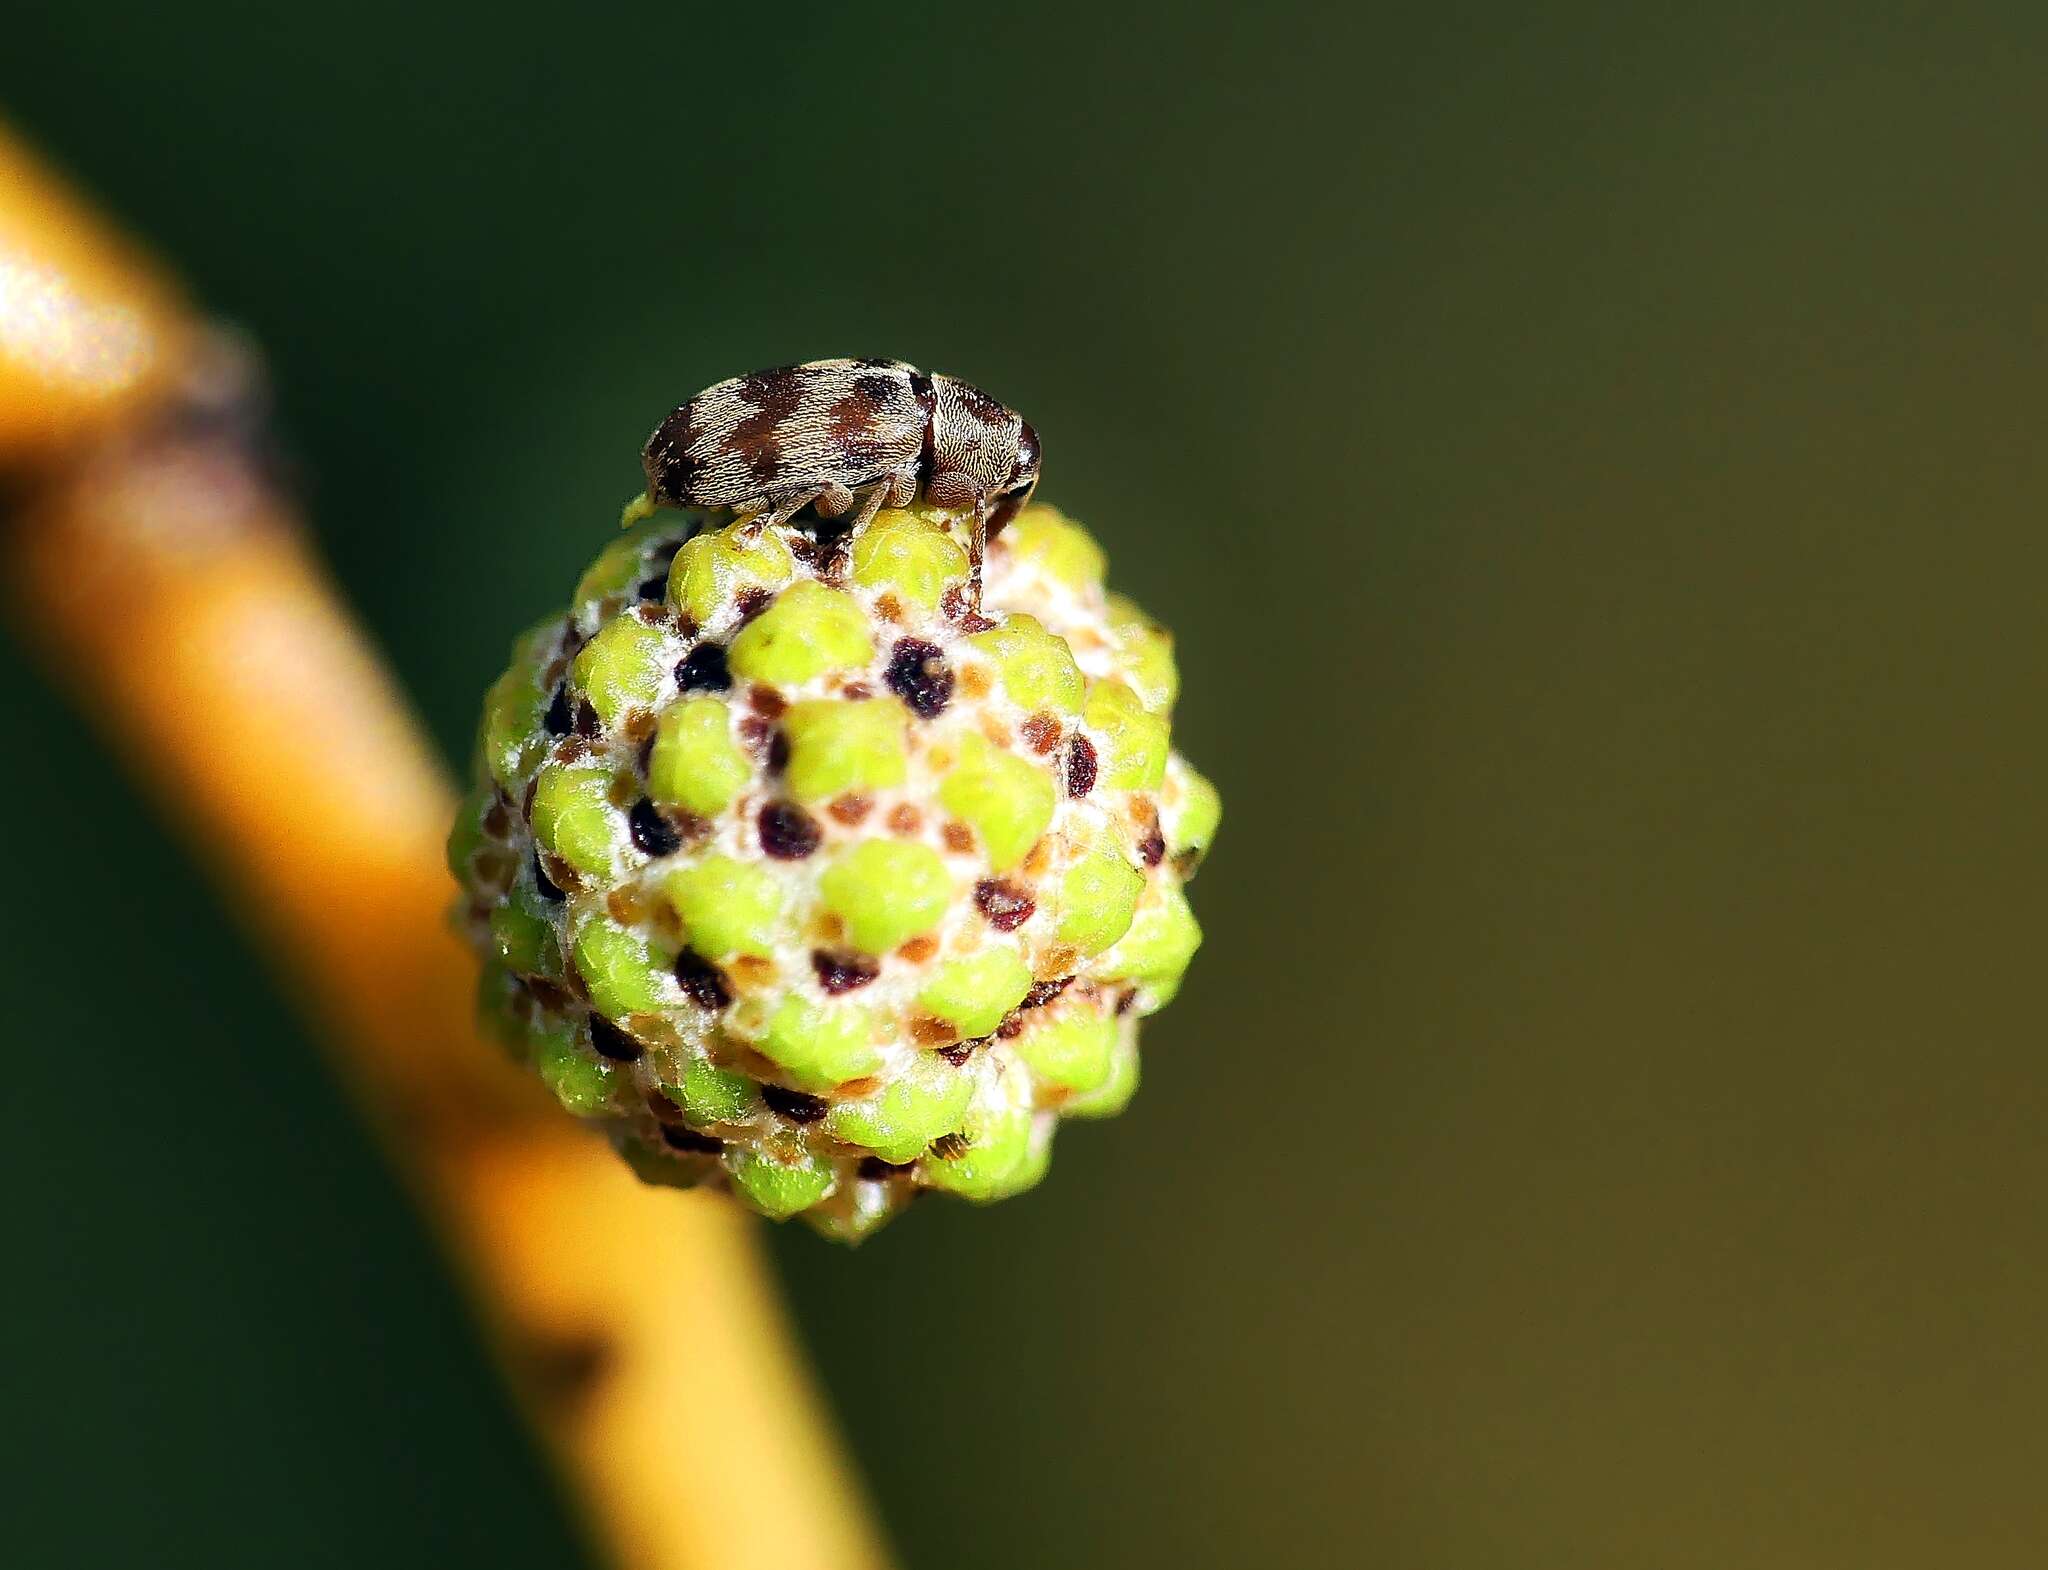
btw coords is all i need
(981, 452)
(1016, 492)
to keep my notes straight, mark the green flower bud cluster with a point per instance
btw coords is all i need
(804, 878)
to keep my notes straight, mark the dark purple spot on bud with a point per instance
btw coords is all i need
(1005, 906)
(843, 972)
(751, 602)
(958, 1053)
(586, 720)
(1152, 848)
(919, 675)
(794, 1104)
(1044, 992)
(1080, 765)
(703, 669)
(689, 1139)
(544, 883)
(559, 719)
(654, 588)
(651, 831)
(702, 982)
(612, 1042)
(788, 833)
(778, 752)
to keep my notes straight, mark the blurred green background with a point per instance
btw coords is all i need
(1592, 455)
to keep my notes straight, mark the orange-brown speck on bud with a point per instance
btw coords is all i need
(919, 951)
(623, 905)
(889, 608)
(1042, 732)
(1039, 859)
(1056, 962)
(929, 1032)
(851, 810)
(995, 730)
(752, 971)
(974, 681)
(905, 819)
(959, 838)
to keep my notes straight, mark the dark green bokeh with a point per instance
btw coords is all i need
(1593, 460)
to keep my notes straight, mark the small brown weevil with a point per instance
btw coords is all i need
(835, 434)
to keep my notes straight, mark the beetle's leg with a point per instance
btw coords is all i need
(870, 499)
(833, 500)
(790, 505)
(901, 488)
(870, 504)
(977, 548)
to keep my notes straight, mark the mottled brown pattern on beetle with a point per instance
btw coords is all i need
(775, 436)
(1003, 905)
(756, 439)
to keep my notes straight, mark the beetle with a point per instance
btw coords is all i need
(836, 435)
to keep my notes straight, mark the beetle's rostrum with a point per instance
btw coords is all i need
(842, 436)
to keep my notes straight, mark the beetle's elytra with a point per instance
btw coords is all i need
(833, 435)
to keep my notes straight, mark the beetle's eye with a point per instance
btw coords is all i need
(1027, 454)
